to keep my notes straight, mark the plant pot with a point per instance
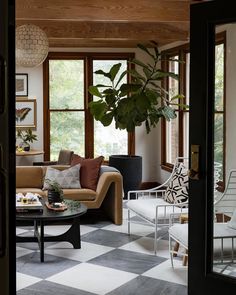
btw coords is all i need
(26, 148)
(53, 197)
(130, 168)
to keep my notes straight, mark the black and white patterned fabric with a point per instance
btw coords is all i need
(177, 190)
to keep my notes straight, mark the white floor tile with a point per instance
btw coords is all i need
(22, 251)
(87, 251)
(165, 272)
(23, 281)
(146, 245)
(136, 229)
(93, 278)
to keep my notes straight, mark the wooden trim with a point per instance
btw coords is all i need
(46, 115)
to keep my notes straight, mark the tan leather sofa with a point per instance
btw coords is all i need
(108, 195)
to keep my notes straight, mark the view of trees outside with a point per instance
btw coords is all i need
(172, 127)
(66, 104)
(219, 107)
(108, 140)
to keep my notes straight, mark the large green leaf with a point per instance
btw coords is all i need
(114, 70)
(142, 47)
(107, 119)
(121, 77)
(94, 91)
(98, 108)
(168, 113)
(139, 63)
(101, 72)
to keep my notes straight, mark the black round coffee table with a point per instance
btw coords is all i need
(39, 219)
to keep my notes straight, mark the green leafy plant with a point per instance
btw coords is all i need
(141, 100)
(26, 136)
(55, 187)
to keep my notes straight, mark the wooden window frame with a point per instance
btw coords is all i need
(88, 80)
(181, 51)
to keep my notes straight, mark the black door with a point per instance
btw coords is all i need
(206, 20)
(7, 148)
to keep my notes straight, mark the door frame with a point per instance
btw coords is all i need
(203, 19)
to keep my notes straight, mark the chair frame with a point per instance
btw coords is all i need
(228, 197)
(157, 192)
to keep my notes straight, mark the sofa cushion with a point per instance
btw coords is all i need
(29, 176)
(89, 172)
(68, 178)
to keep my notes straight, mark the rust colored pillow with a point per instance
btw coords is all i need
(89, 170)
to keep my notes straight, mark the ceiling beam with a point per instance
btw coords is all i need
(96, 30)
(104, 10)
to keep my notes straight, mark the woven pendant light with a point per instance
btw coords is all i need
(31, 46)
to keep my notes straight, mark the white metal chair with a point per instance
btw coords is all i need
(226, 203)
(151, 205)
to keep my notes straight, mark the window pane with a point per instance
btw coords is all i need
(108, 140)
(66, 84)
(173, 83)
(105, 65)
(172, 140)
(66, 132)
(219, 77)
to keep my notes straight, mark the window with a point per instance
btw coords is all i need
(175, 134)
(67, 119)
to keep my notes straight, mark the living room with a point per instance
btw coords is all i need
(109, 37)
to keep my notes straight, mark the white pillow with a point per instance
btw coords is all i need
(68, 178)
(232, 222)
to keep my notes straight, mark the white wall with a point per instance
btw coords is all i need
(35, 91)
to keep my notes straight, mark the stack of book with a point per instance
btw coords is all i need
(28, 203)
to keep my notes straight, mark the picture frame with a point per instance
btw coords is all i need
(26, 111)
(22, 85)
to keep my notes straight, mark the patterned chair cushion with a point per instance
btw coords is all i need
(177, 190)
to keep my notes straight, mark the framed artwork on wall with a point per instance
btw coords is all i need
(26, 113)
(21, 84)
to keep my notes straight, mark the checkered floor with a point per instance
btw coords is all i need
(109, 262)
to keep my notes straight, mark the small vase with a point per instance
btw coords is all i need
(53, 197)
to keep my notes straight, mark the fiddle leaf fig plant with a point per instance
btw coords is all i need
(141, 100)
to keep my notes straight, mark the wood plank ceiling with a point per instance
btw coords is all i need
(107, 23)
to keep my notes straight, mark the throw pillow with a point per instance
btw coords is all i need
(177, 189)
(89, 171)
(68, 178)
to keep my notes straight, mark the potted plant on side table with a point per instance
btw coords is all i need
(55, 192)
(26, 137)
(130, 104)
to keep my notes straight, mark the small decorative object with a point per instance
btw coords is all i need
(26, 113)
(55, 193)
(31, 46)
(21, 84)
(56, 206)
(26, 137)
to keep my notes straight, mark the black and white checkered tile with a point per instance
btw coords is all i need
(109, 262)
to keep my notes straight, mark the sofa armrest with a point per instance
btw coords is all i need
(110, 195)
